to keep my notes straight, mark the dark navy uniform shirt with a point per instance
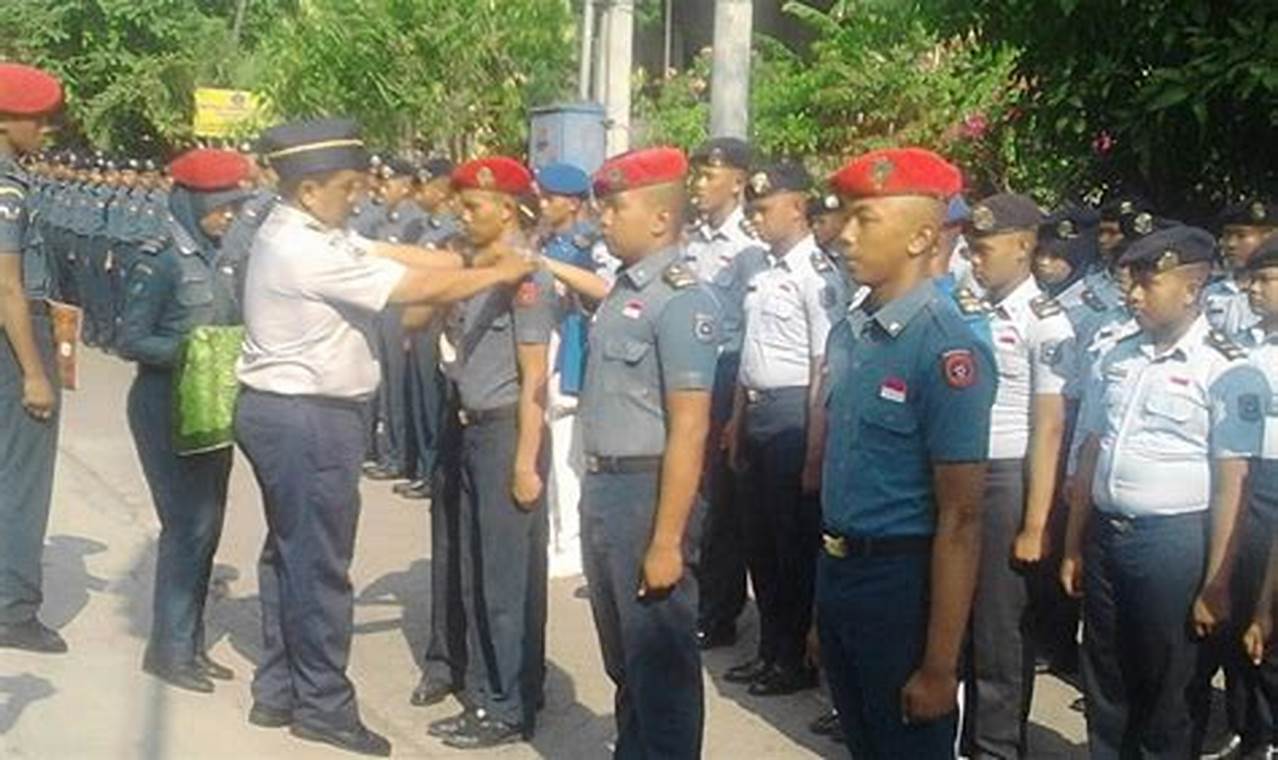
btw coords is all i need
(907, 386)
(20, 233)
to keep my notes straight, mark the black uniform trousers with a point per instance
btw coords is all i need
(306, 452)
(1053, 613)
(1139, 655)
(722, 572)
(649, 645)
(390, 405)
(426, 402)
(503, 577)
(189, 493)
(999, 671)
(781, 525)
(872, 616)
(28, 448)
(445, 656)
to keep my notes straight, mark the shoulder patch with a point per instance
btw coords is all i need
(1045, 306)
(958, 367)
(679, 276)
(821, 262)
(1221, 342)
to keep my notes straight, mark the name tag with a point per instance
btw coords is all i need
(893, 389)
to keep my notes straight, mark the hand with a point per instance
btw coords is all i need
(812, 648)
(38, 397)
(662, 569)
(810, 480)
(513, 267)
(526, 488)
(1031, 545)
(928, 695)
(1211, 609)
(1255, 638)
(1072, 574)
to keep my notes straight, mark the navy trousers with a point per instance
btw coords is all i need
(721, 574)
(872, 616)
(28, 448)
(189, 493)
(445, 656)
(390, 421)
(305, 453)
(649, 646)
(503, 578)
(781, 525)
(425, 401)
(1139, 655)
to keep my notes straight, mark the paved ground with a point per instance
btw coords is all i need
(95, 702)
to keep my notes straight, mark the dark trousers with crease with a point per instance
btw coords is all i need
(503, 578)
(305, 453)
(1140, 578)
(999, 674)
(28, 449)
(649, 646)
(426, 402)
(391, 402)
(721, 576)
(445, 657)
(781, 525)
(189, 493)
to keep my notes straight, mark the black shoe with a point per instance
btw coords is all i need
(382, 472)
(358, 739)
(188, 676)
(825, 725)
(1220, 745)
(722, 636)
(783, 681)
(269, 717)
(448, 726)
(32, 636)
(747, 672)
(418, 489)
(484, 733)
(430, 691)
(214, 669)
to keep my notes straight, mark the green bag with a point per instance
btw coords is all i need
(205, 389)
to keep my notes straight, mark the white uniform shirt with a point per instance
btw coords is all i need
(310, 298)
(1227, 307)
(710, 250)
(1162, 418)
(1262, 353)
(787, 319)
(1033, 348)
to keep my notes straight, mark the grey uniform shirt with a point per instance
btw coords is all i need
(788, 311)
(1227, 307)
(310, 298)
(657, 331)
(1163, 417)
(490, 327)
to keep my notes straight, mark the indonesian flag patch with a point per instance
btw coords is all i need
(893, 389)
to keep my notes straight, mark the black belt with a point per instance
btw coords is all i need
(843, 547)
(760, 395)
(470, 417)
(622, 464)
(38, 308)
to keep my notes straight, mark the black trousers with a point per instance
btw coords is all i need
(1139, 655)
(305, 453)
(999, 677)
(445, 657)
(391, 402)
(721, 574)
(425, 403)
(503, 578)
(781, 524)
(189, 493)
(649, 646)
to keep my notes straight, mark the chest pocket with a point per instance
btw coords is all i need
(781, 304)
(1171, 407)
(888, 424)
(629, 351)
(195, 283)
(1009, 350)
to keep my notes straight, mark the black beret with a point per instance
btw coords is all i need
(1071, 233)
(1123, 204)
(825, 203)
(316, 146)
(1265, 256)
(783, 177)
(1170, 248)
(397, 166)
(731, 152)
(435, 168)
(1253, 212)
(1005, 212)
(1138, 225)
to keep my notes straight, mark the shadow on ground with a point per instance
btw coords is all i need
(16, 693)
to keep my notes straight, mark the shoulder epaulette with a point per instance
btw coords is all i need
(968, 303)
(1045, 306)
(821, 262)
(679, 276)
(1222, 343)
(151, 247)
(1093, 301)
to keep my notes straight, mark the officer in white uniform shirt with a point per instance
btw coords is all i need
(308, 369)
(1033, 344)
(1244, 226)
(1168, 425)
(788, 310)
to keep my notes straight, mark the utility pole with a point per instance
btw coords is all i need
(585, 65)
(730, 80)
(619, 30)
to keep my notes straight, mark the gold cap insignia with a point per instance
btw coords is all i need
(1167, 260)
(881, 171)
(1065, 229)
(1143, 224)
(484, 178)
(830, 202)
(982, 219)
(1125, 207)
(1258, 212)
(760, 183)
(715, 158)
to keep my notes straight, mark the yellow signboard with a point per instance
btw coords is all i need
(219, 112)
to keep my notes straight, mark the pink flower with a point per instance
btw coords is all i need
(1103, 143)
(974, 126)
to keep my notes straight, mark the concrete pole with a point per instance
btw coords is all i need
(584, 73)
(620, 25)
(730, 80)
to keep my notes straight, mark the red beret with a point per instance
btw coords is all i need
(897, 171)
(208, 169)
(497, 174)
(640, 168)
(26, 91)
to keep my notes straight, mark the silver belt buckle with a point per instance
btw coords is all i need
(835, 546)
(753, 396)
(463, 417)
(592, 463)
